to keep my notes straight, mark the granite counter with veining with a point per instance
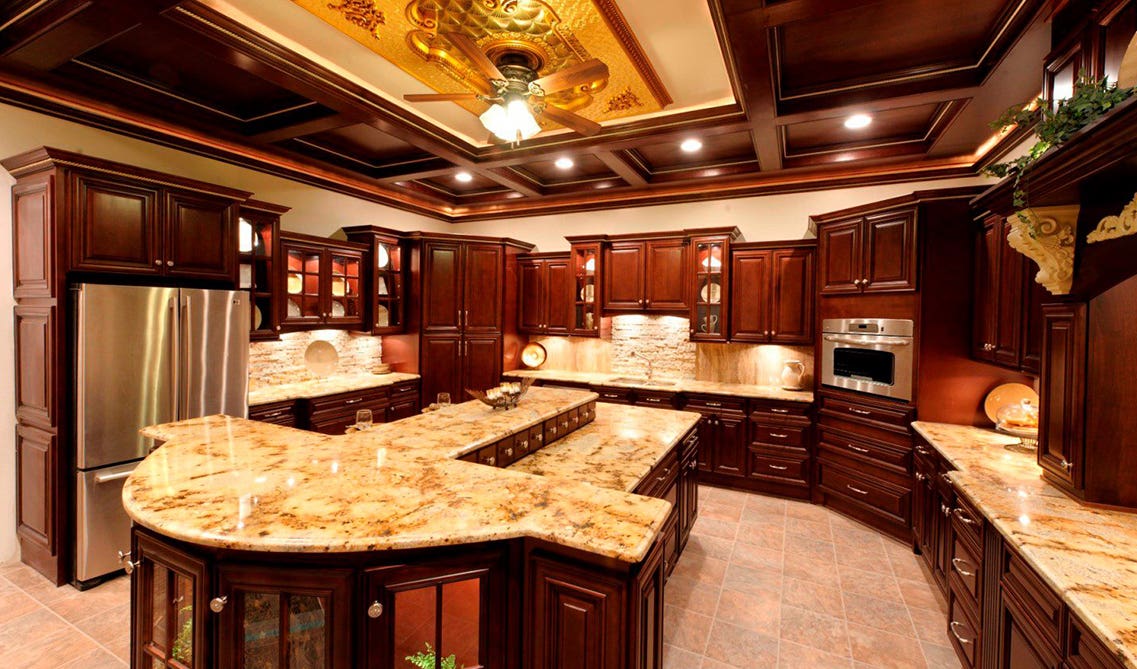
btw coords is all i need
(331, 385)
(669, 385)
(1087, 554)
(232, 483)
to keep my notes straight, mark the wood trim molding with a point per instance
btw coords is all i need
(619, 27)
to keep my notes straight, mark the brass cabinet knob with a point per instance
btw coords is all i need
(169, 263)
(217, 604)
(158, 263)
(375, 610)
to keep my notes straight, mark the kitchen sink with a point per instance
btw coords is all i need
(642, 381)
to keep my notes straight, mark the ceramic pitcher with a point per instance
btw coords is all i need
(791, 374)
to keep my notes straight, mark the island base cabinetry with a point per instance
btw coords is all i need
(195, 608)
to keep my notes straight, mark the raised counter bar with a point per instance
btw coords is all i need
(1087, 554)
(747, 390)
(233, 513)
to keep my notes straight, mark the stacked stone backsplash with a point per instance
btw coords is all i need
(665, 340)
(275, 362)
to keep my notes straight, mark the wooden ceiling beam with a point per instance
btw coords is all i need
(313, 127)
(788, 11)
(425, 168)
(869, 104)
(625, 168)
(512, 179)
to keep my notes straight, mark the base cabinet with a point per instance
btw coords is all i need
(169, 598)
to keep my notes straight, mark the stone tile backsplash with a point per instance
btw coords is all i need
(276, 362)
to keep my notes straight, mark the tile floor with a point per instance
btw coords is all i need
(763, 583)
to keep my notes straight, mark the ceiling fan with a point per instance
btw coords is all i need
(518, 93)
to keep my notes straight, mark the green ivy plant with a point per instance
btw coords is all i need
(1053, 125)
(424, 659)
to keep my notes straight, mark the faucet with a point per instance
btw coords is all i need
(646, 359)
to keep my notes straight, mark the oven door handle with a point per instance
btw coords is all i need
(867, 342)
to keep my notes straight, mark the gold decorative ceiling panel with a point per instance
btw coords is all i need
(551, 35)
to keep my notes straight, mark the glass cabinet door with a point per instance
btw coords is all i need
(586, 296)
(168, 592)
(303, 301)
(346, 296)
(388, 288)
(284, 620)
(708, 322)
(256, 241)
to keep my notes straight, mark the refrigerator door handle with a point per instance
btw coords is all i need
(107, 478)
(175, 357)
(185, 345)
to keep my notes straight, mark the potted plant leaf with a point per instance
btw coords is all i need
(425, 659)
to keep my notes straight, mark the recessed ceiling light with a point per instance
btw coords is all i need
(464, 177)
(564, 163)
(858, 121)
(691, 145)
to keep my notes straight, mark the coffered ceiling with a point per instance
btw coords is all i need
(312, 90)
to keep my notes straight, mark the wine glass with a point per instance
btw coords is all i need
(443, 399)
(363, 419)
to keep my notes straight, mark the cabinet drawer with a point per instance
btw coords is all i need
(653, 398)
(764, 465)
(553, 430)
(506, 451)
(966, 522)
(522, 444)
(400, 391)
(765, 412)
(963, 632)
(966, 570)
(714, 404)
(279, 413)
(344, 402)
(536, 437)
(890, 500)
(587, 413)
(867, 413)
(662, 477)
(886, 455)
(778, 435)
(1085, 651)
(1040, 605)
(487, 455)
(614, 395)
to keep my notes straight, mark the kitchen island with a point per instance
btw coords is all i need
(260, 545)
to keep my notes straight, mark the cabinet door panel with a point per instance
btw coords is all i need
(530, 312)
(986, 297)
(441, 367)
(35, 365)
(484, 266)
(576, 618)
(559, 302)
(841, 252)
(791, 310)
(115, 226)
(481, 361)
(34, 236)
(1008, 329)
(665, 279)
(750, 296)
(37, 457)
(890, 253)
(624, 276)
(731, 447)
(1063, 375)
(169, 607)
(201, 241)
(441, 287)
(1033, 297)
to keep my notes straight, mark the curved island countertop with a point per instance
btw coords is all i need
(236, 484)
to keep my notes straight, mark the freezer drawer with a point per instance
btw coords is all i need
(102, 527)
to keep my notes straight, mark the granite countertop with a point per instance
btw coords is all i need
(331, 385)
(232, 483)
(673, 385)
(1087, 554)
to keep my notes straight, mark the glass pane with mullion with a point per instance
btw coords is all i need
(260, 630)
(461, 628)
(416, 627)
(159, 608)
(182, 649)
(308, 638)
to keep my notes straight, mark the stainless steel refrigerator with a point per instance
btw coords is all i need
(144, 355)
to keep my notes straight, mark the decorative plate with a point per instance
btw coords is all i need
(534, 355)
(258, 318)
(337, 309)
(321, 358)
(384, 258)
(339, 286)
(588, 293)
(295, 284)
(293, 309)
(1008, 393)
(711, 293)
(382, 316)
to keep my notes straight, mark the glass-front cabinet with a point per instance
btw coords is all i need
(168, 597)
(711, 271)
(385, 278)
(258, 227)
(322, 282)
(586, 267)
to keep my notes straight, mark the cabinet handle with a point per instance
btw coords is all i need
(780, 468)
(963, 517)
(945, 509)
(491, 461)
(859, 449)
(856, 490)
(921, 477)
(169, 263)
(923, 451)
(217, 604)
(274, 414)
(860, 412)
(127, 565)
(1068, 466)
(354, 401)
(539, 437)
(945, 478)
(523, 445)
(508, 452)
(765, 333)
(779, 410)
(779, 436)
(714, 404)
(955, 562)
(958, 638)
(375, 610)
(653, 400)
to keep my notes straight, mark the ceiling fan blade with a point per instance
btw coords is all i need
(570, 120)
(589, 70)
(475, 55)
(440, 97)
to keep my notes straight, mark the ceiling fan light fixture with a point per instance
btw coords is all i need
(858, 121)
(564, 163)
(510, 122)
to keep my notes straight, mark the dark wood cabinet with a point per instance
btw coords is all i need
(1061, 427)
(869, 254)
(711, 268)
(332, 414)
(169, 607)
(385, 278)
(546, 299)
(1007, 301)
(483, 268)
(576, 617)
(586, 269)
(772, 293)
(722, 433)
(277, 413)
(200, 236)
(646, 275)
(258, 236)
(442, 287)
(321, 281)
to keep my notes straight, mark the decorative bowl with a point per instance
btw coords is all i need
(503, 397)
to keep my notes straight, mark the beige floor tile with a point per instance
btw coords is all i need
(816, 597)
(765, 507)
(702, 568)
(687, 593)
(78, 605)
(755, 610)
(677, 658)
(40, 623)
(873, 584)
(879, 614)
(796, 656)
(770, 535)
(15, 603)
(96, 658)
(686, 629)
(710, 663)
(855, 535)
(807, 628)
(109, 626)
(747, 579)
(812, 569)
(941, 657)
(756, 557)
(740, 647)
(866, 557)
(729, 512)
(814, 529)
(805, 510)
(722, 495)
(715, 547)
(931, 626)
(909, 566)
(920, 594)
(806, 547)
(884, 649)
(715, 528)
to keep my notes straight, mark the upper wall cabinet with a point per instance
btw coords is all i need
(546, 298)
(587, 266)
(772, 288)
(258, 231)
(385, 278)
(322, 281)
(1007, 301)
(646, 275)
(711, 269)
(130, 224)
(869, 254)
